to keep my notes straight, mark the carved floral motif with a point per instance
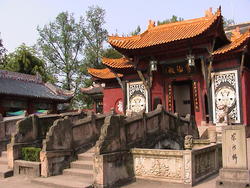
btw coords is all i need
(170, 167)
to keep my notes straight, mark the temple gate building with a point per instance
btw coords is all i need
(190, 67)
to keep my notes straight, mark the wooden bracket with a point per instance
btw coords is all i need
(142, 78)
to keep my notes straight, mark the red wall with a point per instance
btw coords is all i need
(110, 97)
(245, 96)
(199, 115)
(157, 88)
(226, 64)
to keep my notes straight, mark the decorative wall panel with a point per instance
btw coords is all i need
(170, 98)
(137, 97)
(196, 96)
(225, 96)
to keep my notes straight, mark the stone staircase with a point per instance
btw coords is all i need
(4, 170)
(79, 175)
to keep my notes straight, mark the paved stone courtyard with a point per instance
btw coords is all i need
(24, 182)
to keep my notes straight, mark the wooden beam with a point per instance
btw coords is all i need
(142, 78)
(243, 60)
(118, 79)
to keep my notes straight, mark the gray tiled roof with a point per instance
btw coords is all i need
(12, 85)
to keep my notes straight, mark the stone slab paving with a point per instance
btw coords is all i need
(207, 183)
(19, 182)
(24, 182)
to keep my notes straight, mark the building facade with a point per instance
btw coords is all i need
(190, 67)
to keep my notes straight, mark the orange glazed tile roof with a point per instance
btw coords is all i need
(234, 44)
(166, 33)
(120, 63)
(103, 73)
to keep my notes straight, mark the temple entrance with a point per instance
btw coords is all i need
(183, 98)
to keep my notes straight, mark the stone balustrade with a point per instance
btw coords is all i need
(177, 166)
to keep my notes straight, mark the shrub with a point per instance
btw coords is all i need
(31, 154)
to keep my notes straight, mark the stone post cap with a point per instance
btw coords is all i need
(188, 143)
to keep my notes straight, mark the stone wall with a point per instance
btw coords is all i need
(120, 134)
(65, 139)
(144, 130)
(86, 131)
(30, 132)
(57, 148)
(177, 166)
(113, 169)
(7, 127)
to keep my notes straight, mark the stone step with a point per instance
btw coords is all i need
(78, 172)
(85, 156)
(4, 154)
(64, 181)
(82, 164)
(5, 172)
(3, 161)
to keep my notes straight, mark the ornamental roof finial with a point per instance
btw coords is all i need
(151, 24)
(209, 12)
(235, 34)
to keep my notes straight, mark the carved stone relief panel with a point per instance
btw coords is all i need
(137, 97)
(170, 167)
(225, 95)
(187, 169)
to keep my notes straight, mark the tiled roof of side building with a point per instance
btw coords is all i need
(103, 73)
(121, 63)
(236, 42)
(24, 85)
(167, 33)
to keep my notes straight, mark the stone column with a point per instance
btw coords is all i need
(235, 171)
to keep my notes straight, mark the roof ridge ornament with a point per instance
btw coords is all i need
(236, 34)
(151, 24)
(209, 12)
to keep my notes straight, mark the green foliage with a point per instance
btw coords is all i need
(70, 47)
(171, 20)
(2, 49)
(31, 154)
(25, 60)
(95, 35)
(112, 53)
(228, 22)
(61, 43)
(137, 31)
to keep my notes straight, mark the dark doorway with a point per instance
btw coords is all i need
(183, 97)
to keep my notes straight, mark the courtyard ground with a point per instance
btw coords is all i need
(24, 182)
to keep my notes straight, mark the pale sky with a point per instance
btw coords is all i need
(20, 18)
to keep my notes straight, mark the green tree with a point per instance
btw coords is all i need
(61, 43)
(71, 46)
(171, 20)
(137, 31)
(111, 53)
(95, 35)
(228, 22)
(2, 53)
(25, 60)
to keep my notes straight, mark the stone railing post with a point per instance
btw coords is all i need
(144, 124)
